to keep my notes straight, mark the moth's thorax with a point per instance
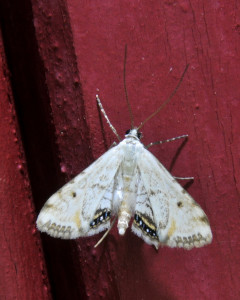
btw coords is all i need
(131, 140)
(131, 148)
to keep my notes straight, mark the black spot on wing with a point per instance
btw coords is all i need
(147, 226)
(101, 216)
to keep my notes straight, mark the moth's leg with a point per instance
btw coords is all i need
(106, 117)
(171, 140)
(113, 145)
(184, 178)
(166, 141)
(106, 233)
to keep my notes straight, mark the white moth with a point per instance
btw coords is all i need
(127, 181)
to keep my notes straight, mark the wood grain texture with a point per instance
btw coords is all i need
(76, 51)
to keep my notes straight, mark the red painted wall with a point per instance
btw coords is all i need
(60, 55)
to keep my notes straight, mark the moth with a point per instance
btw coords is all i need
(127, 182)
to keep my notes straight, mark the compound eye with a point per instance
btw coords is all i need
(139, 135)
(127, 132)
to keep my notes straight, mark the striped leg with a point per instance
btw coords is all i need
(106, 117)
(171, 140)
(166, 141)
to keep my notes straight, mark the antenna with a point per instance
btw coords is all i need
(165, 102)
(125, 87)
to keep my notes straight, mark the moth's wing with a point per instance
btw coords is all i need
(179, 220)
(72, 210)
(143, 223)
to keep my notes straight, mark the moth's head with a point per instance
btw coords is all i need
(133, 133)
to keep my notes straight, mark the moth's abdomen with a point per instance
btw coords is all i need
(129, 179)
(124, 217)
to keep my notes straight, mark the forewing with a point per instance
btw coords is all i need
(180, 221)
(69, 213)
